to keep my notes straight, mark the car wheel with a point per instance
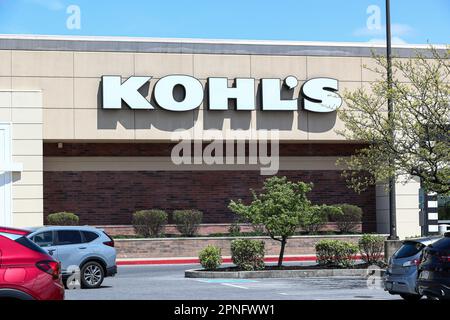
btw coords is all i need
(411, 297)
(92, 275)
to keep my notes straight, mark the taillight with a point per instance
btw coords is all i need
(109, 243)
(53, 268)
(411, 263)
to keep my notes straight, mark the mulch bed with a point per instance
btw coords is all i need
(305, 267)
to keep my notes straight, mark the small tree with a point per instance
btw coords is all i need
(414, 139)
(280, 208)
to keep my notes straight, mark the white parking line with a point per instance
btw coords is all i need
(234, 285)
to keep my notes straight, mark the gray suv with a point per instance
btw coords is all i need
(401, 275)
(84, 252)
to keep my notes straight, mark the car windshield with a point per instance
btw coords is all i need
(408, 249)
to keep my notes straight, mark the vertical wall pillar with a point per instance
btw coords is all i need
(21, 112)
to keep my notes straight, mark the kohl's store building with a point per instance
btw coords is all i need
(68, 145)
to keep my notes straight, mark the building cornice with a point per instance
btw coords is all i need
(204, 46)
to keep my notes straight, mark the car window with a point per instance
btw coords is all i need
(89, 236)
(43, 239)
(409, 249)
(24, 241)
(69, 237)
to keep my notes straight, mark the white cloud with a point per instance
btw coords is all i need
(394, 40)
(365, 32)
(398, 30)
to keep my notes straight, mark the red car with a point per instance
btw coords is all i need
(26, 271)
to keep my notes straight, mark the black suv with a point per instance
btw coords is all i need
(434, 269)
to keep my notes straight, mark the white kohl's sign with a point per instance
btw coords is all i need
(318, 94)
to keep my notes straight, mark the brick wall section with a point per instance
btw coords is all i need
(110, 198)
(164, 149)
(204, 229)
(190, 247)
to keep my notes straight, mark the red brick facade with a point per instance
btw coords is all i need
(107, 197)
(110, 197)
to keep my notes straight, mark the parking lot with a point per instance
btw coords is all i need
(168, 282)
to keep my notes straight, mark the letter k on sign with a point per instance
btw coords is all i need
(114, 92)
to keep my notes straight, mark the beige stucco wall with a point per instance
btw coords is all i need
(70, 82)
(407, 205)
(23, 110)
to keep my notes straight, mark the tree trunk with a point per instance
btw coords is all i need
(280, 258)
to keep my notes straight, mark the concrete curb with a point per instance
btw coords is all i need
(357, 273)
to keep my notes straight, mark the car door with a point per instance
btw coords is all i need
(70, 247)
(45, 240)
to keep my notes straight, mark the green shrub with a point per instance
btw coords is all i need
(371, 248)
(335, 253)
(210, 257)
(348, 218)
(187, 221)
(63, 219)
(149, 223)
(248, 254)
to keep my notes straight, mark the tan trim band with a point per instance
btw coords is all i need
(166, 164)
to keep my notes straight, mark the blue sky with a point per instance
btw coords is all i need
(413, 21)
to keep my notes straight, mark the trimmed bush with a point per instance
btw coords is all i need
(348, 219)
(248, 254)
(314, 219)
(149, 223)
(63, 219)
(210, 257)
(371, 247)
(187, 221)
(335, 253)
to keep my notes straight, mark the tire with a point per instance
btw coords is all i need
(64, 281)
(92, 275)
(411, 297)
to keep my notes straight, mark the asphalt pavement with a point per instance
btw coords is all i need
(168, 282)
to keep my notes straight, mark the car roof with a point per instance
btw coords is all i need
(15, 231)
(424, 240)
(52, 228)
